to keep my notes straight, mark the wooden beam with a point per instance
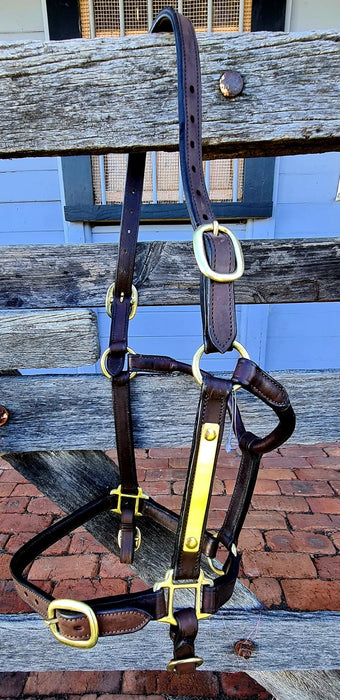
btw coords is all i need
(166, 273)
(45, 339)
(64, 417)
(96, 96)
(275, 634)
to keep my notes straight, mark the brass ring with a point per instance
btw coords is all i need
(198, 354)
(103, 363)
(133, 304)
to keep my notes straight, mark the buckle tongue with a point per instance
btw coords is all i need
(73, 606)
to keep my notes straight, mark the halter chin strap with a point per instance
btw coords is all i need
(219, 258)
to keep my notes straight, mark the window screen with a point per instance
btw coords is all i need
(110, 18)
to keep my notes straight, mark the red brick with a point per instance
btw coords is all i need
(151, 465)
(16, 541)
(87, 588)
(312, 595)
(141, 474)
(276, 474)
(138, 585)
(335, 537)
(14, 505)
(12, 684)
(26, 489)
(165, 452)
(306, 521)
(10, 475)
(283, 503)
(111, 567)
(335, 484)
(139, 683)
(24, 522)
(265, 520)
(218, 487)
(303, 450)
(153, 488)
(280, 541)
(251, 540)
(3, 539)
(278, 462)
(172, 502)
(79, 682)
(73, 566)
(328, 567)
(6, 489)
(4, 566)
(4, 464)
(199, 684)
(324, 462)
(10, 601)
(333, 450)
(314, 474)
(267, 590)
(305, 488)
(241, 686)
(325, 505)
(335, 520)
(43, 505)
(220, 503)
(262, 486)
(83, 541)
(278, 565)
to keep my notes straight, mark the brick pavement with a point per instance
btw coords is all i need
(290, 546)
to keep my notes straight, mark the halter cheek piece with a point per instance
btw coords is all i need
(220, 261)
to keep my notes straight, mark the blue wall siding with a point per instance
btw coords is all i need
(30, 208)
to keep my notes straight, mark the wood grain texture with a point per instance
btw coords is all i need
(275, 639)
(44, 339)
(295, 685)
(166, 273)
(75, 412)
(83, 96)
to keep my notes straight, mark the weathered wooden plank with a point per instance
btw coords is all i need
(39, 339)
(166, 273)
(295, 685)
(63, 417)
(71, 97)
(273, 632)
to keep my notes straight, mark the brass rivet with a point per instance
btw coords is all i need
(4, 415)
(191, 542)
(210, 434)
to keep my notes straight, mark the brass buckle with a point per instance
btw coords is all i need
(201, 257)
(137, 496)
(109, 300)
(103, 363)
(172, 587)
(213, 566)
(179, 662)
(137, 539)
(74, 606)
(196, 372)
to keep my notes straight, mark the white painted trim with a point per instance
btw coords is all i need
(45, 20)
(288, 17)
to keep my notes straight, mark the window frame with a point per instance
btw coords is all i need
(257, 202)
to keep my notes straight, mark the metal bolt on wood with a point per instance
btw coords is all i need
(244, 648)
(4, 415)
(231, 83)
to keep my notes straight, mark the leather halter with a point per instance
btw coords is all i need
(79, 623)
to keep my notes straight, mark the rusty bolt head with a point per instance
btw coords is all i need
(244, 648)
(231, 83)
(4, 415)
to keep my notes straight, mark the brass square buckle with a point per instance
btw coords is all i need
(137, 496)
(73, 606)
(173, 586)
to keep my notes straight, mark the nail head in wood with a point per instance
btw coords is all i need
(4, 415)
(231, 83)
(244, 648)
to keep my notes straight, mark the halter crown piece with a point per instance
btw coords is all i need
(219, 258)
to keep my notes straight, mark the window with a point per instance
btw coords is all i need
(94, 185)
